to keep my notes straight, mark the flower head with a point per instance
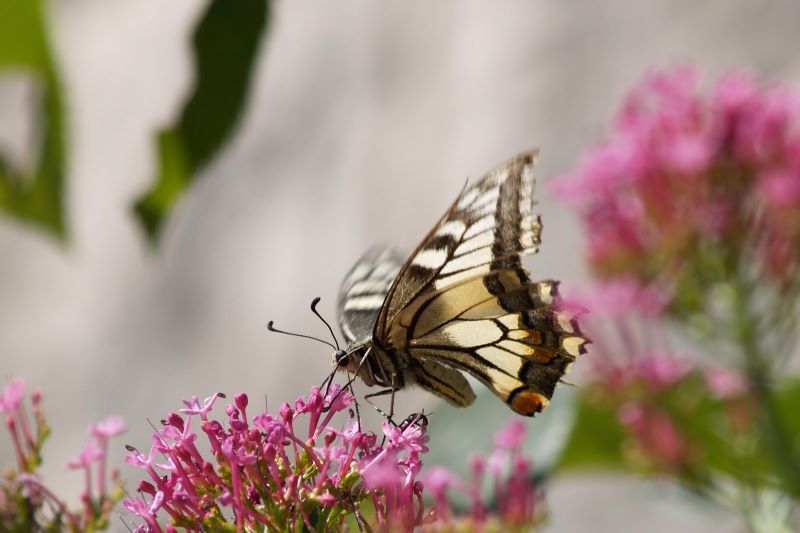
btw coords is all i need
(12, 395)
(108, 428)
(277, 469)
(683, 174)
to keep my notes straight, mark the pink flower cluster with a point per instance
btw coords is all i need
(636, 373)
(291, 471)
(657, 436)
(297, 471)
(279, 473)
(25, 491)
(514, 492)
(630, 346)
(26, 441)
(682, 171)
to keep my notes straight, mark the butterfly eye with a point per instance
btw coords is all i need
(339, 356)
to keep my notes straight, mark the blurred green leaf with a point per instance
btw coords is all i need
(787, 398)
(24, 47)
(596, 438)
(225, 45)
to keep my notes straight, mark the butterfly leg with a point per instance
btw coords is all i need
(391, 401)
(383, 413)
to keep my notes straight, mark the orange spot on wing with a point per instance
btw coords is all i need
(540, 355)
(528, 402)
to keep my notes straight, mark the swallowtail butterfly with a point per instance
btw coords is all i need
(463, 302)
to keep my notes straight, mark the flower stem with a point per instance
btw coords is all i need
(778, 437)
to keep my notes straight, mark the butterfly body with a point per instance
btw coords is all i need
(463, 302)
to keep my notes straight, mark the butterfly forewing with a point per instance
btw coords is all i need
(488, 225)
(364, 290)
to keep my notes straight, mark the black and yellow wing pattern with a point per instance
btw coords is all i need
(464, 302)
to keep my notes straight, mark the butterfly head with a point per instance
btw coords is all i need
(359, 359)
(340, 359)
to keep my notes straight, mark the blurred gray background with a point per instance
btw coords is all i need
(365, 119)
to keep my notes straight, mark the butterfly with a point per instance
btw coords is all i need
(463, 302)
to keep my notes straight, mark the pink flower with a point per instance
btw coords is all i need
(687, 154)
(90, 453)
(511, 436)
(108, 428)
(665, 440)
(145, 511)
(194, 407)
(515, 494)
(255, 468)
(656, 434)
(735, 93)
(661, 370)
(411, 438)
(12, 395)
(632, 416)
(780, 188)
(618, 297)
(438, 480)
(674, 180)
(725, 383)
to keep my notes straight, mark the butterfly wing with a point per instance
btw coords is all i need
(487, 228)
(464, 301)
(364, 290)
(361, 297)
(501, 328)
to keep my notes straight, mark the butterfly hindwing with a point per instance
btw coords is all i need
(509, 336)
(442, 380)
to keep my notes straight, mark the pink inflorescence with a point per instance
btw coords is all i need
(26, 501)
(510, 474)
(278, 472)
(683, 171)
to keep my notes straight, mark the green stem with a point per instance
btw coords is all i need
(778, 438)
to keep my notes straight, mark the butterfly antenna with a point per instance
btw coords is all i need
(271, 327)
(314, 303)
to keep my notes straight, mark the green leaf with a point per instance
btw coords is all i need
(719, 451)
(225, 45)
(24, 47)
(596, 438)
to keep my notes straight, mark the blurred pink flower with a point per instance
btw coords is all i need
(780, 188)
(108, 428)
(12, 396)
(682, 172)
(632, 416)
(28, 434)
(656, 434)
(90, 453)
(511, 436)
(617, 297)
(724, 382)
(511, 475)
(661, 370)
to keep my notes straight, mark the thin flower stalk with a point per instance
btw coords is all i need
(26, 502)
